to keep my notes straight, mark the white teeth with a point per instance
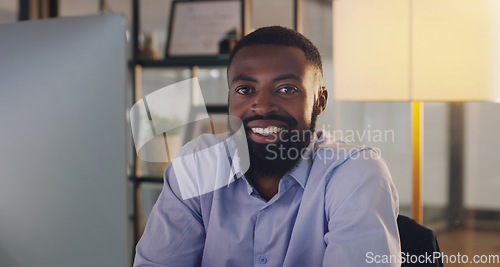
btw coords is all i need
(268, 130)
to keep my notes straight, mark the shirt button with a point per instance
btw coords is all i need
(262, 259)
(267, 208)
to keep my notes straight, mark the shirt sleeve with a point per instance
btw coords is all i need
(361, 206)
(174, 233)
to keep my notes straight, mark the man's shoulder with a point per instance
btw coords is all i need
(207, 163)
(334, 151)
(202, 142)
(348, 165)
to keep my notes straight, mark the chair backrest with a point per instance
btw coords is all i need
(417, 240)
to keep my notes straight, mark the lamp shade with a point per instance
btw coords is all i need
(422, 50)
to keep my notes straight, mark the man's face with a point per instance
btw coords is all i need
(273, 89)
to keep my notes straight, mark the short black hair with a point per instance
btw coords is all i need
(278, 35)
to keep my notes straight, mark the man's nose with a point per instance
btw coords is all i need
(264, 103)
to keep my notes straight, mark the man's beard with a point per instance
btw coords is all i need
(276, 159)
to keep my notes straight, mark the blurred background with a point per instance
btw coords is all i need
(461, 203)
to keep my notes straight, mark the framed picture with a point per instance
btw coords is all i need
(198, 28)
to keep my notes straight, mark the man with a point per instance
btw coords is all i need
(305, 200)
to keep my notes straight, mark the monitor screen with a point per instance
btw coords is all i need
(63, 142)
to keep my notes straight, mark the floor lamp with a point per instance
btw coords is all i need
(416, 50)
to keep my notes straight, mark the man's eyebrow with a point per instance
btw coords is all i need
(287, 77)
(247, 78)
(244, 78)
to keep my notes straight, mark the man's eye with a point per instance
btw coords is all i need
(287, 89)
(244, 90)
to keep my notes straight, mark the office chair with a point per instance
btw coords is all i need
(417, 240)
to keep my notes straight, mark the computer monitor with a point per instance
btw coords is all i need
(63, 143)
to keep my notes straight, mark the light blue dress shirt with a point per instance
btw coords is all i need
(336, 206)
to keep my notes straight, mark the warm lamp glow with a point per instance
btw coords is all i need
(424, 50)
(416, 50)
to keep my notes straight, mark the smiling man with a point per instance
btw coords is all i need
(306, 200)
(277, 92)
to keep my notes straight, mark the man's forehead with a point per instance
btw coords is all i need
(278, 56)
(282, 61)
(267, 49)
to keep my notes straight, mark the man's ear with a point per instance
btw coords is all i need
(322, 98)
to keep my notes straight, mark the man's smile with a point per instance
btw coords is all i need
(266, 131)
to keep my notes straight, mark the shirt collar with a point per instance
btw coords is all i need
(301, 172)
